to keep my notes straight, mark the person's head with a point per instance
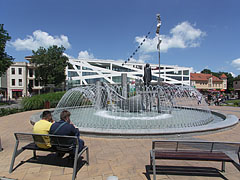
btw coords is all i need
(147, 65)
(46, 115)
(65, 116)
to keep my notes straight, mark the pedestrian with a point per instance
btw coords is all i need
(199, 99)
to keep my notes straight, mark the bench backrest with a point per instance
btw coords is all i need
(185, 145)
(54, 140)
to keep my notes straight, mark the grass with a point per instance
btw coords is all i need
(234, 102)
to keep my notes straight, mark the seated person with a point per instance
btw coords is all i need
(66, 127)
(43, 127)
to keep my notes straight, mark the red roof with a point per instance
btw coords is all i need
(223, 76)
(203, 77)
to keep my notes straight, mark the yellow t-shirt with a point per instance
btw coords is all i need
(43, 127)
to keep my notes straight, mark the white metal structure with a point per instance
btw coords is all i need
(88, 71)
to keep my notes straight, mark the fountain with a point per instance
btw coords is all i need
(147, 110)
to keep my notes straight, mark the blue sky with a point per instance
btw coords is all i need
(198, 34)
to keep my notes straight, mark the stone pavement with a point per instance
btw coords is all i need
(126, 158)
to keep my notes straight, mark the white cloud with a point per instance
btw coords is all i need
(233, 75)
(40, 38)
(69, 56)
(236, 63)
(85, 55)
(140, 60)
(184, 35)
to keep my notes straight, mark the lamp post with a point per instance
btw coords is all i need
(159, 42)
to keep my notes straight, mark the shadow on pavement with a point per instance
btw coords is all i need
(52, 159)
(184, 171)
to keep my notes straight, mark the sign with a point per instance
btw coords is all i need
(19, 90)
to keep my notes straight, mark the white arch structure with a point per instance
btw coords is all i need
(88, 71)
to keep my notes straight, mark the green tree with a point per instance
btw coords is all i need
(50, 65)
(206, 71)
(5, 59)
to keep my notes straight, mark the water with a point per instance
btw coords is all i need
(142, 107)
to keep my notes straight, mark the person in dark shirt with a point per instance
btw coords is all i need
(66, 127)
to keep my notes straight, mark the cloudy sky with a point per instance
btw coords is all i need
(198, 34)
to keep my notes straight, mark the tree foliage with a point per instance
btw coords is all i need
(5, 60)
(50, 65)
(206, 71)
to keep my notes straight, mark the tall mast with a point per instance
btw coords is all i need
(159, 42)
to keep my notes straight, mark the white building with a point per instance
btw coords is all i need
(16, 80)
(88, 71)
(19, 76)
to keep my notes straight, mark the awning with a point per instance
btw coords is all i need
(17, 90)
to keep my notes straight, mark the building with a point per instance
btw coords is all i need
(19, 77)
(16, 80)
(89, 71)
(236, 87)
(204, 82)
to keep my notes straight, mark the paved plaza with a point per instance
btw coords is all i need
(126, 158)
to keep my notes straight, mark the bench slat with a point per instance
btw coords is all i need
(214, 156)
(193, 150)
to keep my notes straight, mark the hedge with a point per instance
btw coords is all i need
(38, 101)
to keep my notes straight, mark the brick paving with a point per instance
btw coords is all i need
(126, 158)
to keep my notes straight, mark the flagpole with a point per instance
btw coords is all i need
(158, 45)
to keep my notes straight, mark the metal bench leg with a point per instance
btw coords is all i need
(151, 159)
(14, 156)
(223, 166)
(87, 154)
(75, 163)
(34, 154)
(154, 166)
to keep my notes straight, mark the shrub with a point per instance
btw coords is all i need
(235, 103)
(7, 111)
(38, 101)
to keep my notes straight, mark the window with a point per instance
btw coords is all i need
(36, 82)
(179, 78)
(30, 72)
(13, 70)
(20, 82)
(20, 71)
(72, 74)
(138, 67)
(185, 72)
(31, 83)
(89, 73)
(13, 82)
(86, 68)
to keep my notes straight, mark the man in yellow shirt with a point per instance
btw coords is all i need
(43, 127)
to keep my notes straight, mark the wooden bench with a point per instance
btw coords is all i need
(194, 150)
(59, 144)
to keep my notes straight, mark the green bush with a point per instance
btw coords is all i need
(7, 111)
(38, 101)
(236, 104)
